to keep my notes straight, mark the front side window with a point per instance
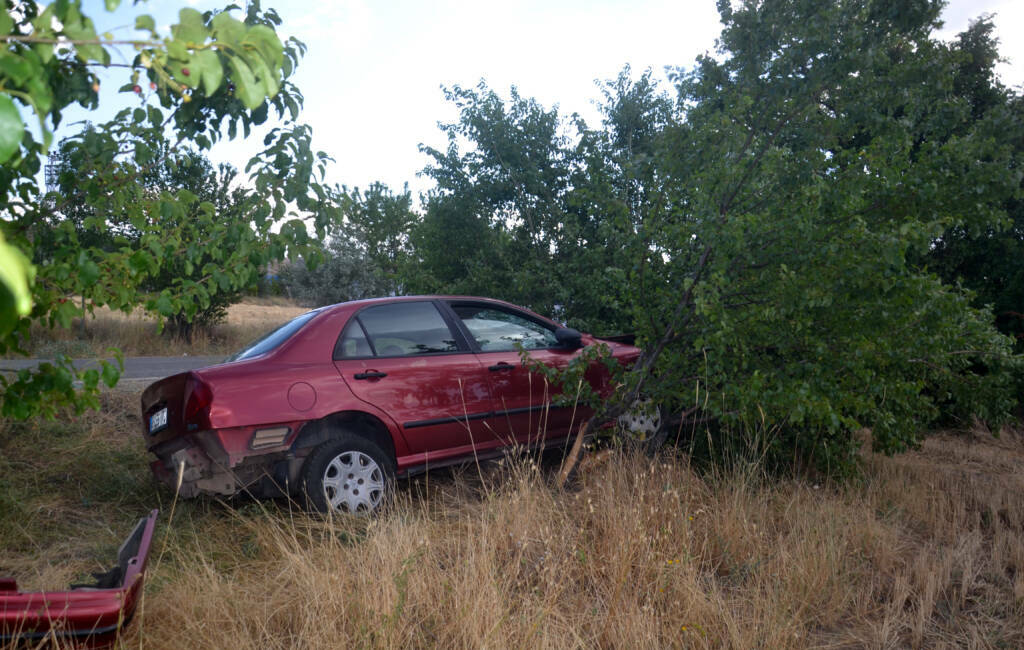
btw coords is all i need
(497, 330)
(396, 330)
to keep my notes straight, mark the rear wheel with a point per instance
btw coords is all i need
(348, 474)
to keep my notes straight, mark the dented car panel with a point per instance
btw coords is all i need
(89, 616)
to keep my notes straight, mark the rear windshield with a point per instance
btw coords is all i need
(271, 340)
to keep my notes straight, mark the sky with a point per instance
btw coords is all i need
(374, 69)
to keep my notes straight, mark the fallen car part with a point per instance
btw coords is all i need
(88, 616)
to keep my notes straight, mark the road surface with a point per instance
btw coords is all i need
(136, 369)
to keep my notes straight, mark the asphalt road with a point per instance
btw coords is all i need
(136, 369)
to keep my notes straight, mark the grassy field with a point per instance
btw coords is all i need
(137, 334)
(924, 550)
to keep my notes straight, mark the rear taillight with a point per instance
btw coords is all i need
(198, 398)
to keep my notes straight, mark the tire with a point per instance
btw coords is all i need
(643, 426)
(348, 474)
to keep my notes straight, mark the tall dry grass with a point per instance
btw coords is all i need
(139, 334)
(925, 551)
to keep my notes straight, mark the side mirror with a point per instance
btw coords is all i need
(569, 338)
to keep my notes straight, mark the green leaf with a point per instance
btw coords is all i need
(90, 378)
(82, 30)
(143, 153)
(11, 128)
(111, 5)
(6, 23)
(44, 50)
(164, 306)
(206, 64)
(177, 49)
(191, 28)
(88, 272)
(247, 88)
(267, 79)
(16, 275)
(111, 374)
(228, 29)
(145, 22)
(266, 42)
(15, 67)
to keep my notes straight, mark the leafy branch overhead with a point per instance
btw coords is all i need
(215, 74)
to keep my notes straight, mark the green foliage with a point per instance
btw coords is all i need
(137, 230)
(368, 252)
(815, 160)
(16, 275)
(379, 221)
(215, 219)
(539, 211)
(346, 273)
(988, 260)
(767, 236)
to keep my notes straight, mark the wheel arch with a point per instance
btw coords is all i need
(356, 422)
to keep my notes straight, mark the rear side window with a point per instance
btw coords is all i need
(273, 339)
(396, 330)
(353, 343)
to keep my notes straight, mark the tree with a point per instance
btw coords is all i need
(498, 206)
(380, 221)
(769, 235)
(806, 174)
(990, 260)
(213, 72)
(346, 273)
(540, 211)
(71, 170)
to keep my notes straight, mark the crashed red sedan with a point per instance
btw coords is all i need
(335, 404)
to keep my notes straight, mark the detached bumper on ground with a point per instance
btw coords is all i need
(89, 616)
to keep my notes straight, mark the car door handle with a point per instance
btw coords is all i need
(372, 374)
(501, 366)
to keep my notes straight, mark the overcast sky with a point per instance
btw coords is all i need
(373, 73)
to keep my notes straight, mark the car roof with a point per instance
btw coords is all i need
(356, 305)
(385, 299)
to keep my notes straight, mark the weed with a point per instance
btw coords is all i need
(923, 551)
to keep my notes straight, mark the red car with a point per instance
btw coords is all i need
(333, 405)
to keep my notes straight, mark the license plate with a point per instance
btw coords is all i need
(158, 420)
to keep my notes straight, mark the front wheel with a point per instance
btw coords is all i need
(348, 474)
(642, 426)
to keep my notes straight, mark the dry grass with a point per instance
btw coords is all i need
(138, 334)
(926, 550)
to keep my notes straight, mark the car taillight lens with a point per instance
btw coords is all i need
(198, 399)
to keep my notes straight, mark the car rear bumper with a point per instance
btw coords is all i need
(197, 464)
(190, 471)
(85, 616)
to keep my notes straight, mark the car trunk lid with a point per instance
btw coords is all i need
(174, 406)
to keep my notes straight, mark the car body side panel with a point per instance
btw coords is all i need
(439, 401)
(522, 399)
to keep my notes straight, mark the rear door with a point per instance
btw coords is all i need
(405, 359)
(522, 400)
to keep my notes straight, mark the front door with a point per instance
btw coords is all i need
(522, 399)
